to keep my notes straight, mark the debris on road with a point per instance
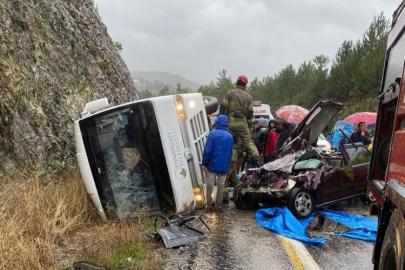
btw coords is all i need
(178, 230)
(283, 222)
(322, 226)
(82, 265)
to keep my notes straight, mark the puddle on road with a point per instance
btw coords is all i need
(236, 242)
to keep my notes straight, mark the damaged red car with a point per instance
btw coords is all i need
(303, 177)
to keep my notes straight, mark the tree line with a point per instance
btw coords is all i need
(354, 74)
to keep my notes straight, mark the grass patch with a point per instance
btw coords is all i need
(47, 222)
(129, 256)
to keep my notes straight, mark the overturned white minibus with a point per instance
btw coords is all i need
(143, 153)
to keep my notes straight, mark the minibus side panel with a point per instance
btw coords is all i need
(173, 147)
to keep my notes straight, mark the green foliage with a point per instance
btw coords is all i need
(129, 256)
(182, 90)
(355, 74)
(103, 65)
(221, 86)
(146, 94)
(165, 91)
(118, 46)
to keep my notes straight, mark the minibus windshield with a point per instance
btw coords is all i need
(129, 175)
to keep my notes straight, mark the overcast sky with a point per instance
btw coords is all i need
(197, 39)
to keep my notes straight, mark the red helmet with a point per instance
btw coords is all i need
(243, 79)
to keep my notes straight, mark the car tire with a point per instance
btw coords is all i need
(243, 202)
(301, 202)
(211, 104)
(392, 252)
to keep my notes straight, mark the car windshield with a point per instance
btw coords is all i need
(123, 159)
(357, 154)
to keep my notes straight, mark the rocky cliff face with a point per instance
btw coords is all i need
(55, 56)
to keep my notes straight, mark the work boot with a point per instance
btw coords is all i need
(259, 162)
(210, 210)
(219, 210)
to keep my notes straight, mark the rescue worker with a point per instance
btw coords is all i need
(232, 178)
(241, 155)
(361, 134)
(237, 105)
(216, 160)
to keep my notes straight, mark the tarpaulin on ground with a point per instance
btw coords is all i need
(283, 222)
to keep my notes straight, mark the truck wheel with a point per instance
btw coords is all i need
(392, 252)
(301, 202)
(383, 154)
(243, 202)
(211, 104)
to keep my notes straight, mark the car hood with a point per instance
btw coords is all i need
(317, 119)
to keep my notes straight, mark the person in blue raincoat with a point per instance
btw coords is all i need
(338, 139)
(216, 160)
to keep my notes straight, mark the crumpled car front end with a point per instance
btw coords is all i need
(296, 173)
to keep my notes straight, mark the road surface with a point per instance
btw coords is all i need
(238, 242)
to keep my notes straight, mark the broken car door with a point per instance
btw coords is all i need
(336, 182)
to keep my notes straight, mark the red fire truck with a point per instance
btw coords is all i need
(387, 168)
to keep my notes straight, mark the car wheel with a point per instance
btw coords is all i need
(301, 202)
(392, 252)
(211, 104)
(243, 202)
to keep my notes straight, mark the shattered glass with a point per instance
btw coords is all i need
(125, 164)
(283, 164)
(310, 164)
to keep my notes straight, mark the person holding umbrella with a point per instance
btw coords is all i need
(361, 134)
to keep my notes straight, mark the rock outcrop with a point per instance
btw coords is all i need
(55, 56)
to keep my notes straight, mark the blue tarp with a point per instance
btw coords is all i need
(283, 222)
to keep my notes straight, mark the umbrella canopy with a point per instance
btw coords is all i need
(367, 117)
(338, 139)
(292, 113)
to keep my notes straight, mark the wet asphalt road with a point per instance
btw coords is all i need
(238, 242)
(343, 253)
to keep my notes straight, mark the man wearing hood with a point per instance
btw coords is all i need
(216, 160)
(270, 143)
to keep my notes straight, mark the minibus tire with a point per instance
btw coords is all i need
(211, 104)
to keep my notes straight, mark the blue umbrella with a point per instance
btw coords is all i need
(338, 139)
